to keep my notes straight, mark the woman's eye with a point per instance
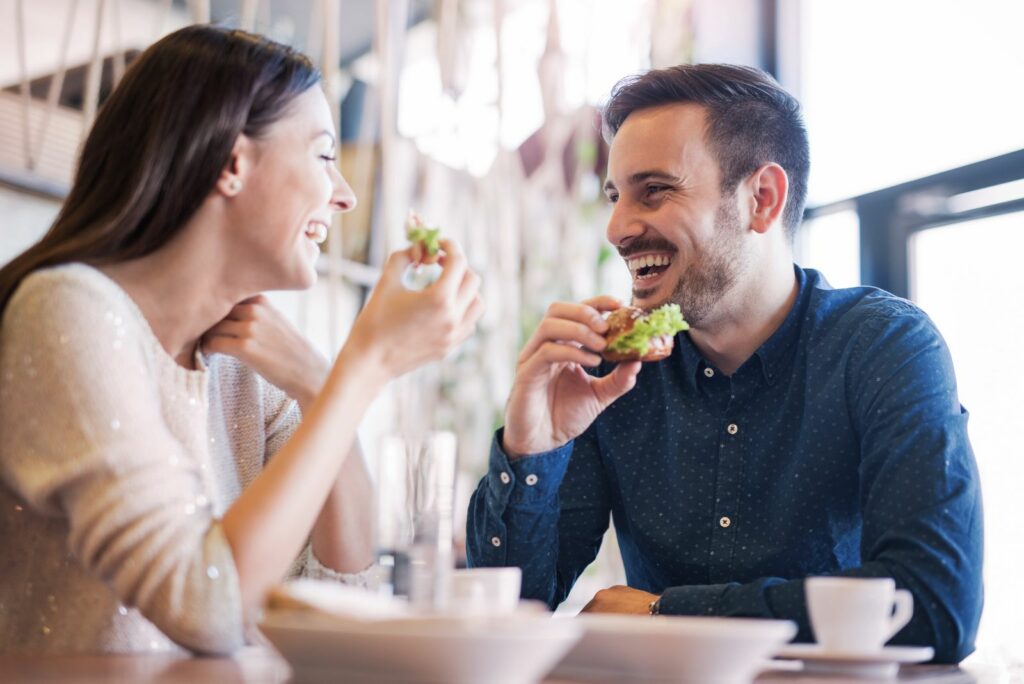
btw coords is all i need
(329, 157)
(613, 198)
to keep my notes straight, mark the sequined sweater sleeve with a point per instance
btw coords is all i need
(91, 437)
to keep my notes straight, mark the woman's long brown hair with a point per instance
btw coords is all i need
(160, 143)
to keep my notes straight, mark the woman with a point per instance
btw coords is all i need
(146, 386)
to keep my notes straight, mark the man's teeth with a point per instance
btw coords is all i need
(647, 261)
(317, 232)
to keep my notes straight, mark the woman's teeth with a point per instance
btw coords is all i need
(649, 265)
(317, 232)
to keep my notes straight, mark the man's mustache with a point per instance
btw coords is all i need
(646, 245)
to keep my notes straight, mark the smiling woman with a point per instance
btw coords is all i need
(170, 442)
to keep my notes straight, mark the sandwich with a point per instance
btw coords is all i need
(426, 240)
(635, 335)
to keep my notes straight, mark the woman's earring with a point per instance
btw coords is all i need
(234, 186)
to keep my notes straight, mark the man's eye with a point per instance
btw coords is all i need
(654, 189)
(329, 157)
(613, 198)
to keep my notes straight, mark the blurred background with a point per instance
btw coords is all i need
(482, 115)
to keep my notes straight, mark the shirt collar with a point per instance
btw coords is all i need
(776, 354)
(690, 359)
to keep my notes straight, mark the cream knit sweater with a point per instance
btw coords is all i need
(116, 465)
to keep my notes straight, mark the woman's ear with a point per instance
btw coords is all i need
(233, 175)
(769, 187)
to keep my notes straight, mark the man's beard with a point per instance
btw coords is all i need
(712, 272)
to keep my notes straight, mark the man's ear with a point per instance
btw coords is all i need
(236, 171)
(769, 190)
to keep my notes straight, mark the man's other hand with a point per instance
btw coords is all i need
(620, 599)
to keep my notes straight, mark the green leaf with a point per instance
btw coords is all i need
(665, 320)
(430, 237)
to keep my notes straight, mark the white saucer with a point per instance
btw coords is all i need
(881, 664)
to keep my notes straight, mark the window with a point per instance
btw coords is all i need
(830, 244)
(900, 90)
(967, 276)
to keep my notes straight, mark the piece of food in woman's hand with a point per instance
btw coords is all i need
(426, 240)
(635, 335)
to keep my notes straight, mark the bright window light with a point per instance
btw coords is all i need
(899, 90)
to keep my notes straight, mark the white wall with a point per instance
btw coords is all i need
(24, 220)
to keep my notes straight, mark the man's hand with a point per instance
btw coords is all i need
(620, 599)
(553, 400)
(259, 336)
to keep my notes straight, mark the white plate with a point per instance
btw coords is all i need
(508, 649)
(704, 650)
(881, 664)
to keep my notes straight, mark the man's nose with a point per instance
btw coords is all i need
(623, 225)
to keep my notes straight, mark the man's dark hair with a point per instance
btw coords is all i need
(751, 121)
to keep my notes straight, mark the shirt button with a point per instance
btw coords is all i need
(495, 542)
(505, 478)
(531, 479)
(733, 428)
(709, 372)
(724, 521)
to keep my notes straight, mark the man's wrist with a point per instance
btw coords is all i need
(654, 607)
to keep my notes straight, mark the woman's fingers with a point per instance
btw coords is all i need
(468, 290)
(454, 267)
(397, 263)
(232, 328)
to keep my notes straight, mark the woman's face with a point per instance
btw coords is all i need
(291, 187)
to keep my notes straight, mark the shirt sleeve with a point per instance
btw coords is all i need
(282, 416)
(919, 494)
(86, 440)
(545, 513)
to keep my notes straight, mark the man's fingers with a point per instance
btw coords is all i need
(618, 382)
(563, 330)
(553, 352)
(581, 313)
(604, 303)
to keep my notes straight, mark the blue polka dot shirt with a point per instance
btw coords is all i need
(839, 448)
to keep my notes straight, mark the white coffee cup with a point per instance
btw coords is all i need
(488, 591)
(856, 615)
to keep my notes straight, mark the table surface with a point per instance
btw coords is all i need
(263, 665)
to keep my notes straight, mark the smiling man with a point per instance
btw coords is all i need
(795, 430)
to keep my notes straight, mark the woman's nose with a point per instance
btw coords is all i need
(343, 199)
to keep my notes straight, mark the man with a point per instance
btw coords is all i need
(796, 430)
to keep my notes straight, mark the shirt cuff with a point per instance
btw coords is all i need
(317, 570)
(528, 479)
(703, 599)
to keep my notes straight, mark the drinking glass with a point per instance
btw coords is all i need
(415, 496)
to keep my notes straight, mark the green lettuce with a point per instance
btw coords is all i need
(430, 237)
(665, 320)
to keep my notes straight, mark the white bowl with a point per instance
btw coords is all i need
(510, 649)
(694, 650)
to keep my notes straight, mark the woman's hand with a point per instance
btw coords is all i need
(401, 330)
(553, 400)
(259, 336)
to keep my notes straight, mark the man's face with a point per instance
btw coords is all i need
(680, 237)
